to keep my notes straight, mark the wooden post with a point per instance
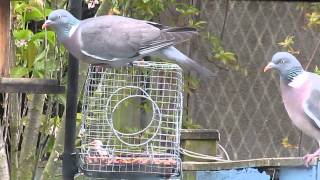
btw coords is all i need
(4, 62)
(4, 36)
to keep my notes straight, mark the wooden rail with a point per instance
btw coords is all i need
(31, 85)
(263, 162)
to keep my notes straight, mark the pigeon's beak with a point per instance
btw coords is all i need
(47, 24)
(269, 66)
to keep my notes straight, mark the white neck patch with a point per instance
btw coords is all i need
(73, 29)
(298, 80)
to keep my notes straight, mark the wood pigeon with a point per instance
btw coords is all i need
(117, 40)
(300, 91)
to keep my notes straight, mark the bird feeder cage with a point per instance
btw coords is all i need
(131, 121)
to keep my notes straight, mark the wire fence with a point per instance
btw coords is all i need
(247, 108)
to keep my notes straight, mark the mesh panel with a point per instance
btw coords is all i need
(247, 109)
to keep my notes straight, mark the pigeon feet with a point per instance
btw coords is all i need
(309, 157)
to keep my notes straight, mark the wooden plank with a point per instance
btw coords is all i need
(31, 85)
(4, 36)
(263, 162)
(208, 134)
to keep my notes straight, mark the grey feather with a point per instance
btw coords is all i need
(312, 107)
(171, 53)
(115, 36)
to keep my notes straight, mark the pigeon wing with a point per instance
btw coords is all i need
(311, 106)
(109, 37)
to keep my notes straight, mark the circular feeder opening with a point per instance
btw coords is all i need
(132, 115)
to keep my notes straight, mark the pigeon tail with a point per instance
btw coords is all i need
(171, 53)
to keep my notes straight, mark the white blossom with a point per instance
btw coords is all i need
(21, 43)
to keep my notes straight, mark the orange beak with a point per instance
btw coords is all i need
(269, 66)
(46, 24)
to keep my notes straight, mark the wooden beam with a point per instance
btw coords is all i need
(31, 85)
(202, 134)
(4, 36)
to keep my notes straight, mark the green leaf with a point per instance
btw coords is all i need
(313, 18)
(31, 54)
(20, 7)
(79, 117)
(40, 56)
(17, 72)
(47, 11)
(287, 42)
(50, 144)
(41, 36)
(25, 120)
(39, 64)
(228, 58)
(38, 73)
(33, 13)
(61, 99)
(22, 34)
(186, 10)
(51, 65)
(197, 24)
(188, 124)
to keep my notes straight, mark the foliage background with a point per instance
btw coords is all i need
(237, 39)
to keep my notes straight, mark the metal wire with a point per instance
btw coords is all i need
(202, 156)
(112, 141)
(224, 151)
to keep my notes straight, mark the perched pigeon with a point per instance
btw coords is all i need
(300, 91)
(116, 40)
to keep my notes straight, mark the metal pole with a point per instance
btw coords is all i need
(69, 168)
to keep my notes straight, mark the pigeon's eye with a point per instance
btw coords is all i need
(282, 61)
(59, 16)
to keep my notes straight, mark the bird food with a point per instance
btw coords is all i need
(131, 120)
